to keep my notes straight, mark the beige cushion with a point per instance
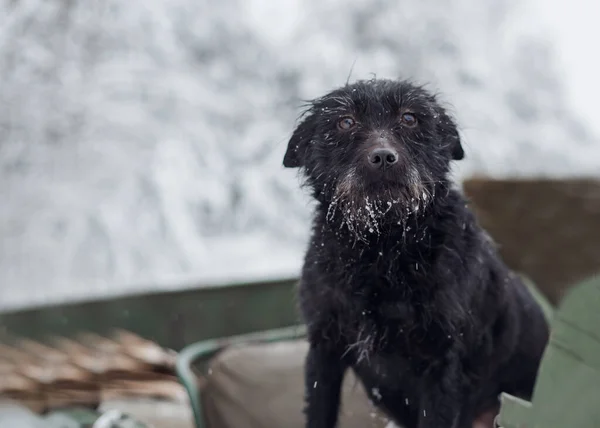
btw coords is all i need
(262, 386)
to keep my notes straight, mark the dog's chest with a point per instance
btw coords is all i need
(383, 316)
(400, 330)
(381, 303)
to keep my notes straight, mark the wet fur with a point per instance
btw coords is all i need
(399, 282)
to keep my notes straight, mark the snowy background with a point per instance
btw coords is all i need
(141, 141)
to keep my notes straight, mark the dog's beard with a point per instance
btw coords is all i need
(366, 210)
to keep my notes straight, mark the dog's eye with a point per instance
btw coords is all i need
(409, 119)
(346, 123)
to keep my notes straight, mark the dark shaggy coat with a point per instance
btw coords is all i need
(400, 283)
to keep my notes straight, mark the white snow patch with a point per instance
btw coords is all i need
(141, 145)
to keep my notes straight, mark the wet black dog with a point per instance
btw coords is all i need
(399, 282)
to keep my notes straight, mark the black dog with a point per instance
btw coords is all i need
(399, 282)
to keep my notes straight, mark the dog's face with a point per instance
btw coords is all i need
(374, 150)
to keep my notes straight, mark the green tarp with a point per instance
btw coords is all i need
(567, 391)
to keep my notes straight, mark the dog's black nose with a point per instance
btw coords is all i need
(383, 158)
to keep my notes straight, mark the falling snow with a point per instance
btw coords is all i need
(376, 393)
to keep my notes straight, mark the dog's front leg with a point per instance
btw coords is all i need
(439, 410)
(324, 374)
(442, 401)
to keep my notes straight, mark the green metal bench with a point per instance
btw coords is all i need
(205, 350)
(567, 392)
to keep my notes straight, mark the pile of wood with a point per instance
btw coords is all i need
(86, 370)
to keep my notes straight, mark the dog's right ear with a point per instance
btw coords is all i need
(447, 127)
(298, 144)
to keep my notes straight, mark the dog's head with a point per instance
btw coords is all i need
(374, 147)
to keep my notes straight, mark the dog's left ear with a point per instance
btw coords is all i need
(449, 131)
(298, 144)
